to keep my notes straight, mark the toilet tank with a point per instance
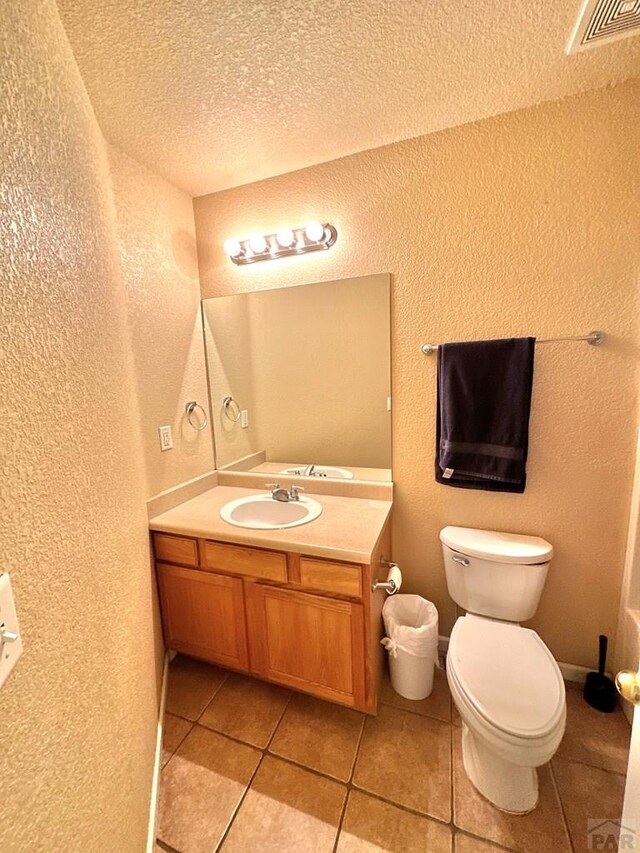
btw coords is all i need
(499, 575)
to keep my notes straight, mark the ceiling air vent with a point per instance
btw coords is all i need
(604, 21)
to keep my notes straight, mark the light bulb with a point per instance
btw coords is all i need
(314, 232)
(285, 237)
(257, 243)
(232, 247)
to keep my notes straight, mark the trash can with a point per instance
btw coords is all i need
(411, 624)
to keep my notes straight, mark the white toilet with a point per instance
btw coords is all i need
(504, 681)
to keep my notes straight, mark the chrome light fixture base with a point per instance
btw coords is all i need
(300, 245)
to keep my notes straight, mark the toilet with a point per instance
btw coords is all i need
(504, 681)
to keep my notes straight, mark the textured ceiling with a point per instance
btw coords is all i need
(216, 93)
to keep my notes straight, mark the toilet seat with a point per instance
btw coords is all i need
(508, 677)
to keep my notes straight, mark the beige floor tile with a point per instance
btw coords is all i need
(247, 709)
(319, 735)
(371, 826)
(587, 793)
(592, 737)
(200, 789)
(287, 809)
(174, 731)
(192, 685)
(437, 704)
(466, 844)
(406, 758)
(542, 830)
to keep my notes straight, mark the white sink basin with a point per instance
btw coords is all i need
(262, 512)
(322, 471)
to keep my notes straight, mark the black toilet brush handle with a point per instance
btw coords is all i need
(602, 658)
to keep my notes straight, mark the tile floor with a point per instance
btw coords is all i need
(249, 766)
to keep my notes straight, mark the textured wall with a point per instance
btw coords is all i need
(160, 273)
(312, 366)
(78, 714)
(522, 224)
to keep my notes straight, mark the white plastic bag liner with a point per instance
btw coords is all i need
(411, 623)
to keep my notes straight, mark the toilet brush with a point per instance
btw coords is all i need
(600, 691)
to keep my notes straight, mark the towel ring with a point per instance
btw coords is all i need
(190, 409)
(227, 403)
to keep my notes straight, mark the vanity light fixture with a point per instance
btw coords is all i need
(286, 241)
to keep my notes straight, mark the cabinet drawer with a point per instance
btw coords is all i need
(337, 578)
(269, 565)
(175, 549)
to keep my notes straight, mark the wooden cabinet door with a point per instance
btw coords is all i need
(309, 642)
(203, 615)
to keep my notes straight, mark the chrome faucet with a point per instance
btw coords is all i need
(280, 494)
(308, 471)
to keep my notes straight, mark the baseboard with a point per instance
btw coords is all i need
(570, 671)
(573, 672)
(157, 765)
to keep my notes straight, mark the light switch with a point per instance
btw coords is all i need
(244, 418)
(10, 640)
(166, 439)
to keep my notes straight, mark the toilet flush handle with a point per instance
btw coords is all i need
(462, 560)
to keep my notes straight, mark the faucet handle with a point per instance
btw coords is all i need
(272, 486)
(294, 491)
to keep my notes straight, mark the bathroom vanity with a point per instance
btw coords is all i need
(293, 606)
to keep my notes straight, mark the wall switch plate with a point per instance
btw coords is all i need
(166, 439)
(244, 418)
(10, 639)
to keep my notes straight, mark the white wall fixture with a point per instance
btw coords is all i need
(166, 438)
(10, 639)
(286, 241)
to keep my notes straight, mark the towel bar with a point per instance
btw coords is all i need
(595, 339)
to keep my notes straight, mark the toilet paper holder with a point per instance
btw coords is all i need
(387, 586)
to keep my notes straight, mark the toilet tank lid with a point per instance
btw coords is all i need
(500, 547)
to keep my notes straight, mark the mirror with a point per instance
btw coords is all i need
(299, 379)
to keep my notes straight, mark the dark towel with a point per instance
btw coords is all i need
(484, 401)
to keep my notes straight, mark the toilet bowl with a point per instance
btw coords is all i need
(504, 681)
(510, 695)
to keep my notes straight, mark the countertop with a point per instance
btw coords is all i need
(348, 528)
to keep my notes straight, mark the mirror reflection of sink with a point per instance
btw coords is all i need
(262, 512)
(320, 471)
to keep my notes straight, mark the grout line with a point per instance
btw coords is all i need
(563, 815)
(215, 693)
(239, 740)
(306, 767)
(452, 760)
(182, 740)
(357, 752)
(416, 713)
(348, 784)
(571, 760)
(495, 844)
(280, 719)
(236, 811)
(231, 738)
(343, 812)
